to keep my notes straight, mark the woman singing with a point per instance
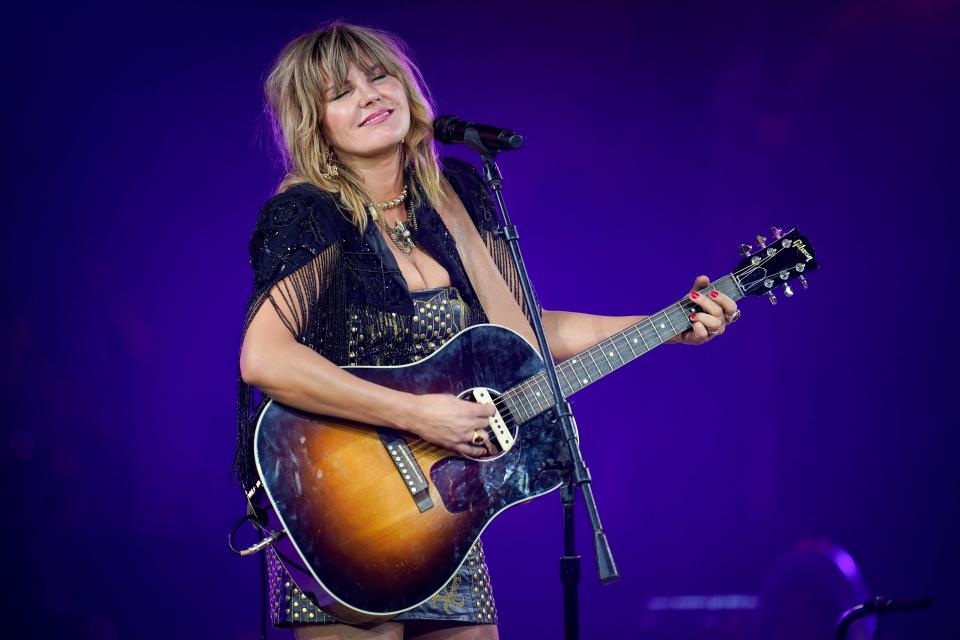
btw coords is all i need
(375, 252)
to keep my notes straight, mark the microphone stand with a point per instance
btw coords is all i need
(576, 475)
(878, 606)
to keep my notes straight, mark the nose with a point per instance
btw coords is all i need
(368, 93)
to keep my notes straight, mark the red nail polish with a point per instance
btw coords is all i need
(693, 316)
(714, 293)
(694, 295)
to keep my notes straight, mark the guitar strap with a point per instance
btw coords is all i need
(492, 291)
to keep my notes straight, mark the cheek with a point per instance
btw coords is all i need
(404, 105)
(398, 93)
(336, 123)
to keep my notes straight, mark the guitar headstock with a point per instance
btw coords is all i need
(787, 257)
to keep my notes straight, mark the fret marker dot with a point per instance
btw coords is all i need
(634, 341)
(663, 326)
(610, 354)
(574, 361)
(584, 381)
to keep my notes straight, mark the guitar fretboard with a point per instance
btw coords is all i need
(532, 396)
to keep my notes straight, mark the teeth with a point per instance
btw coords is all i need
(379, 118)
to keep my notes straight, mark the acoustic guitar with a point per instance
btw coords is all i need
(382, 519)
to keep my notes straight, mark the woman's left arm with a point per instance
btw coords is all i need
(569, 333)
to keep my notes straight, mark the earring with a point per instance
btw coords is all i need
(332, 164)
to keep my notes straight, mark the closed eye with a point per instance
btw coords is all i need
(346, 89)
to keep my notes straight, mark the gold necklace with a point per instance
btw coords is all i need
(400, 234)
(390, 204)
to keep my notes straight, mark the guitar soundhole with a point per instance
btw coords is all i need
(502, 430)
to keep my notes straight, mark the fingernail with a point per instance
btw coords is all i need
(693, 316)
(714, 293)
(694, 295)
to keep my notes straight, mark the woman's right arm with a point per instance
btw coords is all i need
(272, 360)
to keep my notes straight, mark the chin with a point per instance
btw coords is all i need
(384, 142)
(377, 150)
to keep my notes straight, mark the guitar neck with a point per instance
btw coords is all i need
(532, 397)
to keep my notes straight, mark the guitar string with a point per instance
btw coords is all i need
(522, 389)
(524, 386)
(527, 384)
(503, 408)
(420, 445)
(613, 338)
(735, 276)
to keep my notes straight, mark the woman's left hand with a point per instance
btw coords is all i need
(717, 310)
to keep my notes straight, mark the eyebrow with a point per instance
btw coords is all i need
(375, 66)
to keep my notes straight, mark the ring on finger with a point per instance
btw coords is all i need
(477, 438)
(732, 317)
(712, 332)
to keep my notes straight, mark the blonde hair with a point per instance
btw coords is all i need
(295, 90)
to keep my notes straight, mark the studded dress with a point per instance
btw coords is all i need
(342, 293)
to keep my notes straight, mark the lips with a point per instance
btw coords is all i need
(376, 117)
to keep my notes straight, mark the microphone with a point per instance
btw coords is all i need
(482, 137)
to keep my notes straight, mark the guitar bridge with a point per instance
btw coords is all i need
(408, 468)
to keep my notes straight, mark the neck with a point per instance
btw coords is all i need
(382, 175)
(532, 396)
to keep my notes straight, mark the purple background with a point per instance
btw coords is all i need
(658, 139)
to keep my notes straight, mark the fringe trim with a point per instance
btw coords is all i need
(309, 302)
(500, 252)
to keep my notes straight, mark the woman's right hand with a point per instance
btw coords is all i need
(450, 422)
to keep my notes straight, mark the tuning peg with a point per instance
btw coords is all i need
(776, 232)
(787, 290)
(803, 281)
(745, 249)
(762, 242)
(773, 298)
